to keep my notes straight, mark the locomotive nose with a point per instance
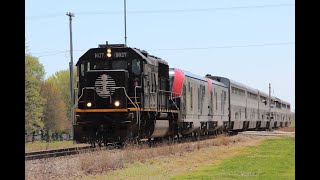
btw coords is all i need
(106, 89)
(105, 85)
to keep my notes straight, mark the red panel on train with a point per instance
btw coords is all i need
(178, 81)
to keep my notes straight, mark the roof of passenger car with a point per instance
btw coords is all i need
(189, 74)
(247, 88)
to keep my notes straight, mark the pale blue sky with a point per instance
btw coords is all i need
(249, 41)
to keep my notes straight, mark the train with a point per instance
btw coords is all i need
(126, 94)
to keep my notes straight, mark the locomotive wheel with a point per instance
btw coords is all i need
(121, 145)
(232, 133)
(99, 144)
(93, 144)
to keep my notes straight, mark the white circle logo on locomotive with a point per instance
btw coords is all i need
(104, 85)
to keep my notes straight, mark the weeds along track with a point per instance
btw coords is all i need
(57, 152)
(104, 160)
(141, 145)
(77, 150)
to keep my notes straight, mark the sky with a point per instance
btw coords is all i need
(248, 41)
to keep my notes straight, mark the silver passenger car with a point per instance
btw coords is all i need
(249, 108)
(263, 110)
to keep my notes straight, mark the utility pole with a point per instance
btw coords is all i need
(269, 106)
(71, 68)
(125, 23)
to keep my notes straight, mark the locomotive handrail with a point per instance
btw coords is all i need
(135, 96)
(76, 103)
(82, 92)
(173, 100)
(111, 87)
(137, 112)
(125, 94)
(73, 107)
(159, 90)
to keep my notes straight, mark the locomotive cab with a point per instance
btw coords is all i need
(106, 76)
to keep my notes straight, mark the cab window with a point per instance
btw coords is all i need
(82, 69)
(99, 65)
(136, 67)
(119, 65)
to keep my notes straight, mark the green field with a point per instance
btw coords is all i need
(273, 159)
(293, 123)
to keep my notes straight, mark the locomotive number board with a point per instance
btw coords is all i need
(112, 54)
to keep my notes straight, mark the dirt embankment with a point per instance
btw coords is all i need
(286, 129)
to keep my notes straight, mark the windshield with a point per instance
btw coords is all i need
(99, 65)
(119, 64)
(105, 65)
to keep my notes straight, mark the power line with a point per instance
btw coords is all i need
(180, 49)
(162, 11)
(49, 52)
(189, 10)
(52, 52)
(44, 16)
(214, 47)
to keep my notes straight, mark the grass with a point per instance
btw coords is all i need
(164, 162)
(132, 161)
(273, 159)
(293, 123)
(135, 170)
(135, 162)
(104, 161)
(38, 146)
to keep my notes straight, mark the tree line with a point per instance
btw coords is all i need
(47, 101)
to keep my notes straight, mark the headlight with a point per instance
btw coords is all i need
(117, 103)
(108, 53)
(89, 104)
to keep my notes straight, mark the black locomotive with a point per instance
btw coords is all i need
(123, 93)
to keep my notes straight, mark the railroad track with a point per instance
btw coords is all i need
(76, 150)
(268, 133)
(57, 152)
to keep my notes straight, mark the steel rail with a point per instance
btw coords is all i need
(56, 152)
